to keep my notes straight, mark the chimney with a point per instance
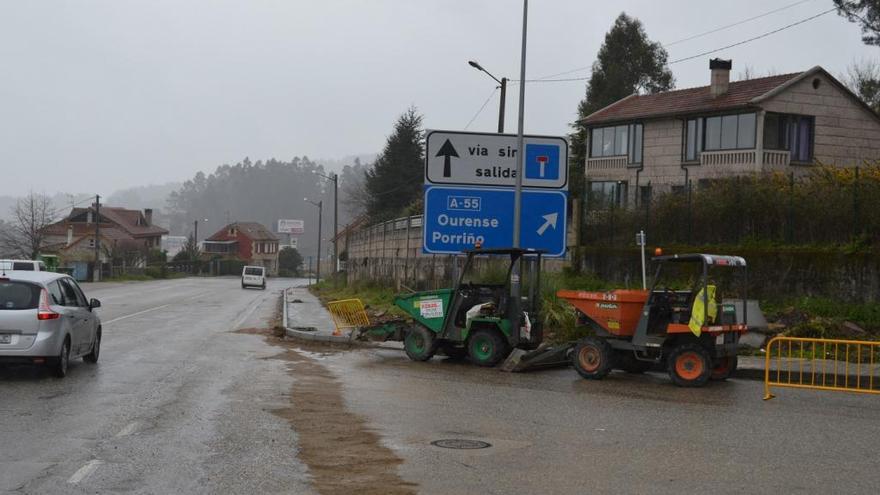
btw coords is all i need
(148, 215)
(69, 235)
(720, 70)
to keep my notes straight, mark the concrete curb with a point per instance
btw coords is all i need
(314, 336)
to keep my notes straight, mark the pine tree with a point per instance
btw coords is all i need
(392, 183)
(628, 62)
(866, 13)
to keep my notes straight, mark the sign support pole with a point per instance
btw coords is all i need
(515, 277)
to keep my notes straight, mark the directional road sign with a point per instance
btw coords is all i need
(458, 218)
(480, 159)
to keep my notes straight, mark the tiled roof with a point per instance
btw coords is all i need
(686, 101)
(253, 230)
(125, 219)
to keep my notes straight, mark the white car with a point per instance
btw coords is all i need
(23, 265)
(253, 276)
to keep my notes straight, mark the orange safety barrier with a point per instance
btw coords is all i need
(822, 364)
(348, 313)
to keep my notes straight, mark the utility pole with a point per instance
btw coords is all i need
(335, 222)
(320, 205)
(515, 281)
(501, 110)
(195, 233)
(97, 274)
(502, 84)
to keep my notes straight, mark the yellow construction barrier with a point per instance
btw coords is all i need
(822, 364)
(348, 313)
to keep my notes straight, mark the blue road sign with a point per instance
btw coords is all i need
(458, 218)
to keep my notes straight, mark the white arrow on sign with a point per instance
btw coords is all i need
(549, 221)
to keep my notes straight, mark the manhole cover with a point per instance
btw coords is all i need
(461, 444)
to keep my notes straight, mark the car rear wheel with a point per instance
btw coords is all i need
(92, 357)
(689, 365)
(63, 360)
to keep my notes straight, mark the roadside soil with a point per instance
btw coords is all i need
(343, 455)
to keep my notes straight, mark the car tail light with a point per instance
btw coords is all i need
(44, 312)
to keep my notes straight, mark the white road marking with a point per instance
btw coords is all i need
(128, 430)
(256, 304)
(85, 471)
(114, 320)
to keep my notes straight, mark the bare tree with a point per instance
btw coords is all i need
(747, 72)
(863, 79)
(23, 236)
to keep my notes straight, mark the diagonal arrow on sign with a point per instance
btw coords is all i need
(549, 221)
(447, 151)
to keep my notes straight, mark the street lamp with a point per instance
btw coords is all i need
(503, 83)
(335, 178)
(320, 205)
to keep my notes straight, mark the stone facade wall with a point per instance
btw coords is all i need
(846, 133)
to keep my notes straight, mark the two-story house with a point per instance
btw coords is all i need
(121, 232)
(248, 241)
(783, 123)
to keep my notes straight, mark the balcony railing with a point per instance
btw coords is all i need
(735, 157)
(776, 158)
(608, 163)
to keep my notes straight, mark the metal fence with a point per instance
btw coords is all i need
(821, 364)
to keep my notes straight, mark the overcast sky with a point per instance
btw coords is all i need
(103, 95)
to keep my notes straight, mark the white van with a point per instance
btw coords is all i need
(253, 276)
(23, 265)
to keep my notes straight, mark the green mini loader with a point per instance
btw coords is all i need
(478, 318)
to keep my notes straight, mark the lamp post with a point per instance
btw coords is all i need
(334, 177)
(503, 83)
(320, 205)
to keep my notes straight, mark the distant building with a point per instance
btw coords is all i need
(124, 233)
(250, 242)
(781, 123)
(173, 244)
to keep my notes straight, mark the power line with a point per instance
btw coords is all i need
(691, 57)
(481, 108)
(722, 28)
(783, 28)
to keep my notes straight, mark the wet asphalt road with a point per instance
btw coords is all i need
(180, 404)
(177, 403)
(552, 432)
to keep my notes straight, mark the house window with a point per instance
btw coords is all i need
(620, 140)
(693, 139)
(792, 133)
(608, 193)
(729, 132)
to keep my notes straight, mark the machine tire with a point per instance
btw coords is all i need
(723, 368)
(420, 343)
(92, 357)
(592, 358)
(628, 362)
(59, 368)
(487, 347)
(689, 365)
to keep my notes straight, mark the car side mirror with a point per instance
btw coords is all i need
(94, 303)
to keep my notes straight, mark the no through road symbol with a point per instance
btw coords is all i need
(478, 159)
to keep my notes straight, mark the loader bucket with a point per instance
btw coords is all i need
(545, 356)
